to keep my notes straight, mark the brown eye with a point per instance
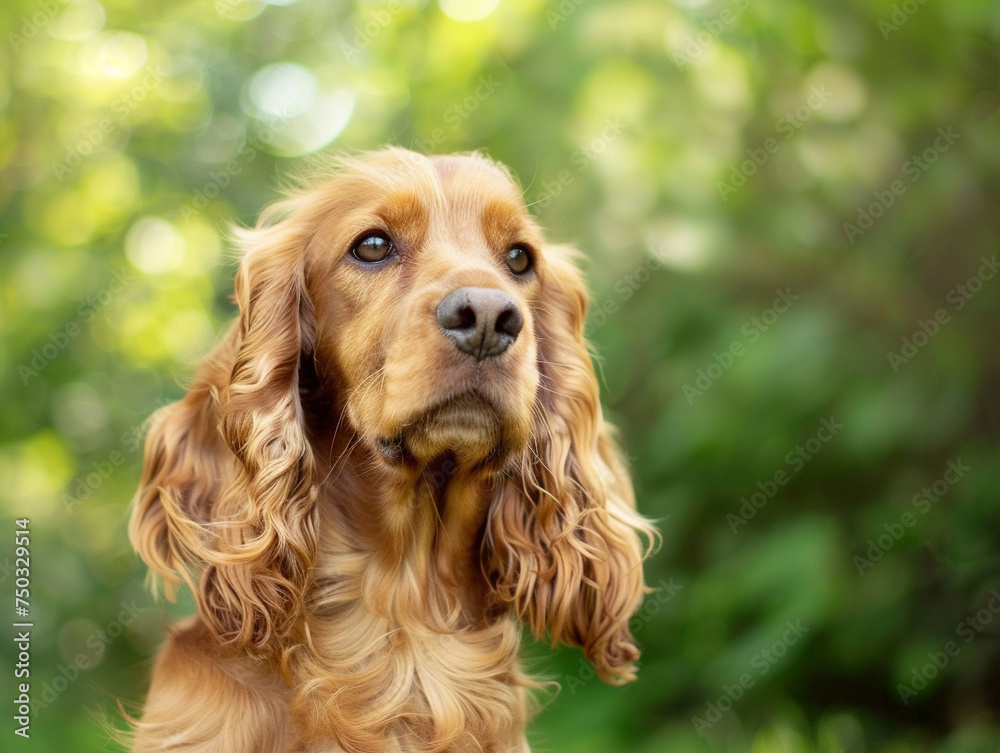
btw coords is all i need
(373, 247)
(519, 260)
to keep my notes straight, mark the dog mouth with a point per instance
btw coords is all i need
(467, 425)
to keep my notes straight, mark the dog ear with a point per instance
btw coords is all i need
(226, 500)
(567, 543)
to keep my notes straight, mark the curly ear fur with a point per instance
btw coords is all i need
(226, 500)
(565, 537)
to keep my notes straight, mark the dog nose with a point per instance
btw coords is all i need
(482, 322)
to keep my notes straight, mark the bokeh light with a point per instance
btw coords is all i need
(468, 11)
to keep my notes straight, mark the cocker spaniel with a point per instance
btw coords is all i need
(394, 457)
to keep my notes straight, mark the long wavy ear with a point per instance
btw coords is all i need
(226, 501)
(567, 544)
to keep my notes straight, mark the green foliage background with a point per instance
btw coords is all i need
(133, 133)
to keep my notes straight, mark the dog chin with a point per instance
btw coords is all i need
(468, 428)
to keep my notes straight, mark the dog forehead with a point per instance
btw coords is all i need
(473, 176)
(480, 193)
(450, 165)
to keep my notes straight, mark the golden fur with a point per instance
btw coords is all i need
(349, 600)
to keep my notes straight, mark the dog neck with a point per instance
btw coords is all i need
(398, 601)
(422, 528)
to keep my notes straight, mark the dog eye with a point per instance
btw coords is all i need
(519, 260)
(372, 248)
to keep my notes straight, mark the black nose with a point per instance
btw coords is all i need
(483, 322)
